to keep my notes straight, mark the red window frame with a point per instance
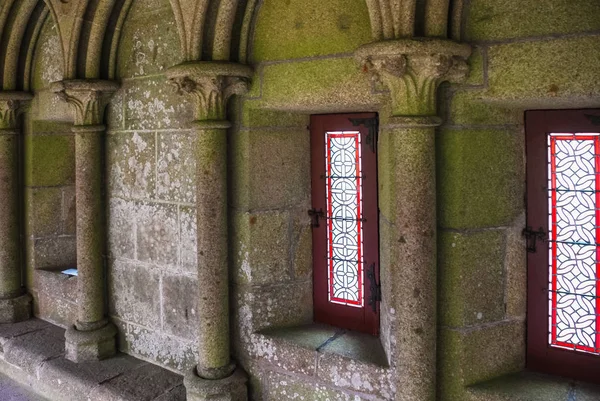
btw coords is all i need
(365, 318)
(540, 355)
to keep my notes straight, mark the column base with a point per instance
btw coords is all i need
(232, 388)
(15, 310)
(95, 345)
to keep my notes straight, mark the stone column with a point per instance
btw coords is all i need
(93, 336)
(211, 84)
(15, 304)
(412, 70)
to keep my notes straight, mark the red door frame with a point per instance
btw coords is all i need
(540, 356)
(363, 319)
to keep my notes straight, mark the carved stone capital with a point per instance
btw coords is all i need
(12, 104)
(413, 69)
(89, 98)
(211, 84)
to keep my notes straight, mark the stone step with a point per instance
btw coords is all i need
(32, 353)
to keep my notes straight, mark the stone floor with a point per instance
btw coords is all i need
(32, 353)
(10, 390)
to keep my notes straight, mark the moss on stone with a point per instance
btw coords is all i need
(45, 212)
(335, 85)
(471, 356)
(480, 177)
(476, 68)
(466, 107)
(304, 28)
(553, 70)
(257, 117)
(49, 160)
(471, 277)
(502, 19)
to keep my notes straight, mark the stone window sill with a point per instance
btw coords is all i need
(529, 386)
(324, 339)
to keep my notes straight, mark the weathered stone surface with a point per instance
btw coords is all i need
(15, 309)
(121, 228)
(302, 255)
(281, 387)
(175, 167)
(523, 387)
(55, 283)
(516, 270)
(502, 19)
(189, 249)
(94, 345)
(297, 29)
(471, 356)
(357, 375)
(72, 378)
(180, 316)
(29, 350)
(231, 388)
(476, 67)
(467, 108)
(131, 165)
(266, 306)
(149, 42)
(156, 382)
(471, 276)
(53, 308)
(151, 103)
(134, 294)
(255, 117)
(287, 354)
(48, 63)
(49, 160)
(68, 210)
(480, 176)
(45, 211)
(543, 77)
(157, 233)
(176, 353)
(279, 178)
(328, 85)
(262, 242)
(55, 252)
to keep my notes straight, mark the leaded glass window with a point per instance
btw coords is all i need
(573, 196)
(344, 215)
(345, 221)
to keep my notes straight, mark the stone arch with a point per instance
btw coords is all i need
(20, 25)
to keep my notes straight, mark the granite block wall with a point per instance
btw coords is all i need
(526, 56)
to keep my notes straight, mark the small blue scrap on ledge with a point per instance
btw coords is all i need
(70, 272)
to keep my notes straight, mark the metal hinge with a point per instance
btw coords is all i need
(316, 215)
(532, 237)
(375, 288)
(372, 125)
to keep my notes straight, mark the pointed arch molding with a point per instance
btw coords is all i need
(209, 30)
(89, 31)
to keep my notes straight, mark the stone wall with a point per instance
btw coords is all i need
(527, 56)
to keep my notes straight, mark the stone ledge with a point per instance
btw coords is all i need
(529, 386)
(32, 353)
(358, 347)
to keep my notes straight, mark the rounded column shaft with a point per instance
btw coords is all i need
(213, 302)
(409, 162)
(10, 268)
(90, 225)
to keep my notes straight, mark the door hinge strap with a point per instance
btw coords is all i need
(375, 288)
(532, 236)
(372, 124)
